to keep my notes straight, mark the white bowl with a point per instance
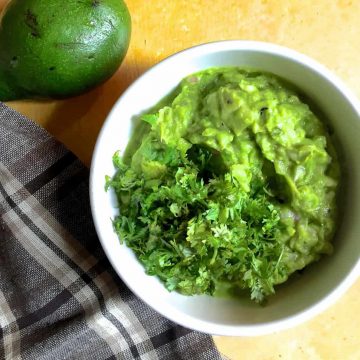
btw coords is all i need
(303, 297)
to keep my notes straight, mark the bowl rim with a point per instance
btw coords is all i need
(177, 316)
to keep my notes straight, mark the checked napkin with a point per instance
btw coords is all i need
(59, 297)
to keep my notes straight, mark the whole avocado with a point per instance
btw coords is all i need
(58, 49)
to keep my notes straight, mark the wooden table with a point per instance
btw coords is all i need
(327, 30)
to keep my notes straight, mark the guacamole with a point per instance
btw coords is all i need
(233, 185)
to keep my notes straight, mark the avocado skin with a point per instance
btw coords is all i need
(57, 49)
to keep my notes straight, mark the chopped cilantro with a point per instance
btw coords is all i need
(194, 233)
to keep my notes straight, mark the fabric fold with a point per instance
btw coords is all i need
(59, 296)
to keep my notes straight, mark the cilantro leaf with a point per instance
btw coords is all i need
(198, 230)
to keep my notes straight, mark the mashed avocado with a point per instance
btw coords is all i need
(233, 184)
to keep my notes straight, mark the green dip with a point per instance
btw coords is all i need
(233, 185)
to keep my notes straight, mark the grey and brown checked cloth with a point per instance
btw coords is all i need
(59, 297)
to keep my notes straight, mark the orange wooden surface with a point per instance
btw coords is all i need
(328, 30)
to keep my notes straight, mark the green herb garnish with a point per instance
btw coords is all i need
(195, 229)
